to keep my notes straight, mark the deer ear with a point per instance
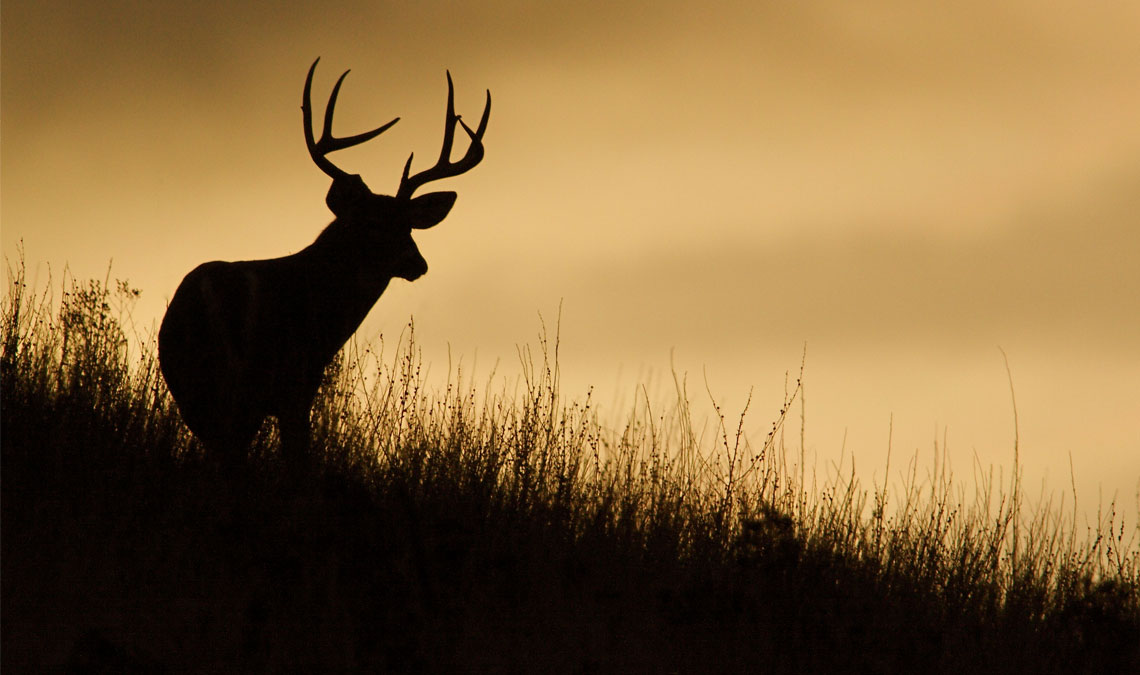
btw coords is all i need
(348, 197)
(428, 210)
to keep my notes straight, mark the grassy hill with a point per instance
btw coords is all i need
(467, 531)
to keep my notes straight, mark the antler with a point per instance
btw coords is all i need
(328, 142)
(444, 167)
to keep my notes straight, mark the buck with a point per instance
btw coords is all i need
(245, 340)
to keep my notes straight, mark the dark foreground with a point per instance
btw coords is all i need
(515, 535)
(118, 560)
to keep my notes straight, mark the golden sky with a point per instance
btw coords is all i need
(901, 186)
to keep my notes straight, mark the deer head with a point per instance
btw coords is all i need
(381, 220)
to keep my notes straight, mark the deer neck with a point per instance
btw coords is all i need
(347, 278)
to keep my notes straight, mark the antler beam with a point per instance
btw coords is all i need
(444, 167)
(329, 143)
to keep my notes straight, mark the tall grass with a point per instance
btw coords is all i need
(503, 528)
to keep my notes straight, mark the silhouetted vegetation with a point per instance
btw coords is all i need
(498, 531)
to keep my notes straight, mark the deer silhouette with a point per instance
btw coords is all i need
(245, 340)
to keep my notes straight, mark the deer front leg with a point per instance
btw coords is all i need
(295, 439)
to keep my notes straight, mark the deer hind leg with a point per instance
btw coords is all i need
(228, 445)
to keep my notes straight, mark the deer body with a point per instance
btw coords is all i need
(245, 340)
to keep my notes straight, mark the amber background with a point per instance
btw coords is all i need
(902, 186)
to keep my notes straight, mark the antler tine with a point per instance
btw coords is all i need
(444, 167)
(478, 134)
(326, 130)
(329, 143)
(448, 122)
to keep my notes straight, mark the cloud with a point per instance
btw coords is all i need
(1063, 276)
